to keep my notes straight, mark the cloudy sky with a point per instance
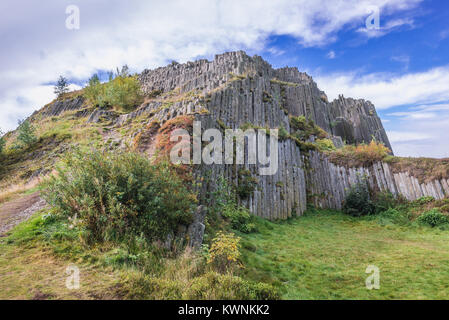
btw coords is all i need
(402, 65)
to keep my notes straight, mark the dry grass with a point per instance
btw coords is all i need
(424, 169)
(10, 190)
(360, 155)
(35, 273)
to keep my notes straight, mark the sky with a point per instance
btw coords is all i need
(400, 64)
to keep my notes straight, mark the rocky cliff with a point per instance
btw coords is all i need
(238, 91)
(241, 90)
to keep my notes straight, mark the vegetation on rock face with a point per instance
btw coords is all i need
(115, 196)
(223, 201)
(246, 184)
(123, 91)
(359, 155)
(325, 145)
(304, 130)
(424, 169)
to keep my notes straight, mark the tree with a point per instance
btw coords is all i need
(26, 134)
(62, 86)
(94, 80)
(2, 141)
(94, 91)
(124, 72)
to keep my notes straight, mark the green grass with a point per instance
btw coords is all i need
(324, 255)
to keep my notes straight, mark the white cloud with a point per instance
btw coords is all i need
(387, 90)
(147, 34)
(405, 136)
(390, 26)
(414, 115)
(331, 55)
(420, 131)
(417, 131)
(404, 59)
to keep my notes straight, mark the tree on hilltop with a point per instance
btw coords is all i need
(61, 87)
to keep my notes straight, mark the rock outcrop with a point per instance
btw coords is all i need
(235, 91)
(329, 183)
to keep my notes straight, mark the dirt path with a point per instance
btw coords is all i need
(18, 210)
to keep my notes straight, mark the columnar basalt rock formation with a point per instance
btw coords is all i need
(328, 183)
(240, 90)
(235, 91)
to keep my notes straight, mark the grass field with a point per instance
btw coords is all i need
(324, 255)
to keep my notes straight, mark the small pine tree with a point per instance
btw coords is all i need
(94, 80)
(62, 86)
(26, 135)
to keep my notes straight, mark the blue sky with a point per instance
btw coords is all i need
(402, 67)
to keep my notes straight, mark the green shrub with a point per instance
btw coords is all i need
(210, 286)
(26, 133)
(118, 196)
(246, 184)
(433, 218)
(424, 200)
(395, 216)
(358, 200)
(123, 92)
(228, 287)
(283, 133)
(240, 218)
(305, 128)
(325, 145)
(95, 92)
(386, 200)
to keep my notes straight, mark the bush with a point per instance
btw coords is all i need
(224, 252)
(358, 200)
(123, 91)
(239, 217)
(325, 145)
(361, 154)
(424, 200)
(395, 216)
(306, 128)
(209, 286)
(118, 196)
(387, 200)
(228, 287)
(26, 135)
(246, 184)
(283, 133)
(433, 218)
(95, 92)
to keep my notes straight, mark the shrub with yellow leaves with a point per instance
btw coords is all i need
(224, 252)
